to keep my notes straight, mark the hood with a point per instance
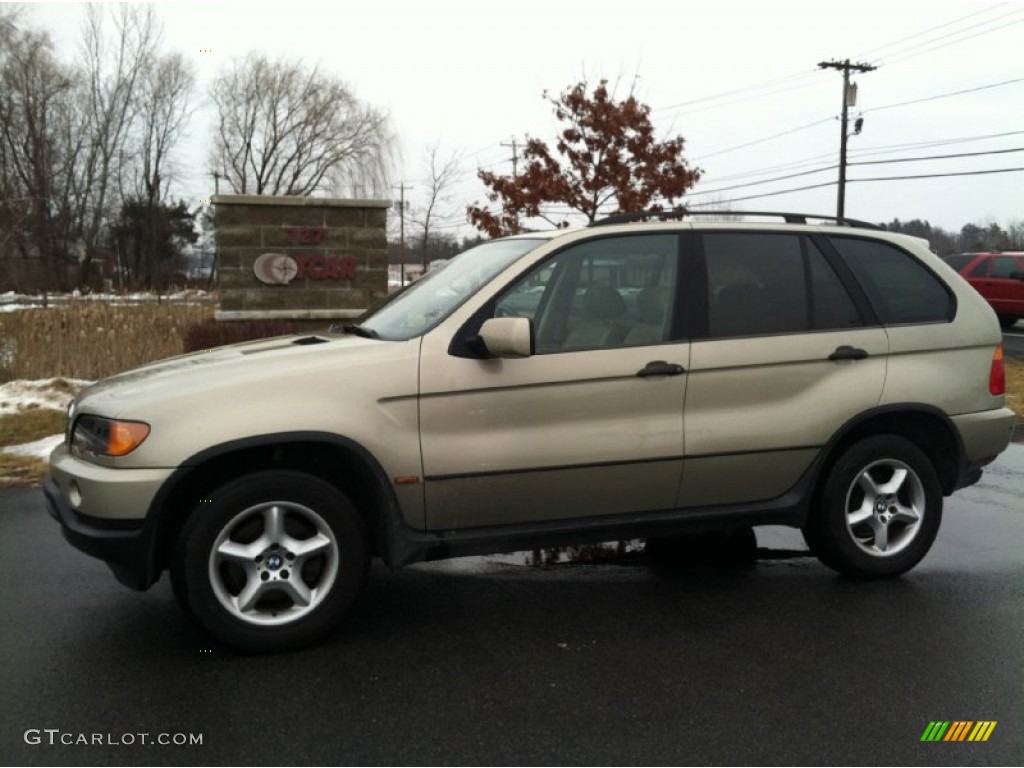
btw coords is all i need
(235, 366)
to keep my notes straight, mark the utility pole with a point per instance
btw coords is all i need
(515, 155)
(401, 236)
(846, 68)
(515, 167)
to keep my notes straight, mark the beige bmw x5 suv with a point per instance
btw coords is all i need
(649, 376)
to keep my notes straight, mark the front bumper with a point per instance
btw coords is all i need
(102, 512)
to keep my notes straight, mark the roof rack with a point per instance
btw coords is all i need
(789, 218)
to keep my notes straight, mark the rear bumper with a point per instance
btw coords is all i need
(984, 435)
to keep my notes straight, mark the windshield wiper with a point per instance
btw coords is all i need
(358, 330)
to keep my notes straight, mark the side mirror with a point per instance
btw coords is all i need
(508, 336)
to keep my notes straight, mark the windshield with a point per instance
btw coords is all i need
(437, 294)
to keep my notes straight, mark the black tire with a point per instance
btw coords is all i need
(271, 561)
(879, 510)
(712, 552)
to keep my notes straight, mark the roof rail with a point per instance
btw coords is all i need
(789, 218)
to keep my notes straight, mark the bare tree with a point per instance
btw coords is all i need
(441, 172)
(35, 91)
(114, 71)
(284, 129)
(164, 109)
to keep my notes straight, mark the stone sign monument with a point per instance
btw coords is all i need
(299, 258)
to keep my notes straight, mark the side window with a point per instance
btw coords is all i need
(611, 292)
(901, 288)
(1003, 266)
(959, 261)
(761, 284)
(980, 269)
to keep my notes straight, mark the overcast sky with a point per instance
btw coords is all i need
(471, 75)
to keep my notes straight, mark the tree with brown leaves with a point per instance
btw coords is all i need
(608, 161)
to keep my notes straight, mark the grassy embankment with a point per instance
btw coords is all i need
(80, 341)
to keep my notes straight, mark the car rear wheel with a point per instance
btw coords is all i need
(271, 561)
(879, 510)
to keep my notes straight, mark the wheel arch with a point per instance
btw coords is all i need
(339, 461)
(926, 427)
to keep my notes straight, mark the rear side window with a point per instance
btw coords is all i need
(1004, 266)
(959, 261)
(761, 284)
(901, 289)
(980, 269)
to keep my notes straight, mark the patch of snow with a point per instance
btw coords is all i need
(28, 394)
(40, 449)
(13, 302)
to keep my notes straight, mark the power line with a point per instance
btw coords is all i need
(853, 181)
(770, 194)
(886, 149)
(739, 101)
(954, 42)
(954, 33)
(865, 162)
(875, 109)
(945, 95)
(942, 175)
(766, 181)
(938, 157)
(930, 29)
(734, 91)
(766, 138)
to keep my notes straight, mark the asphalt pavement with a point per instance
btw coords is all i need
(470, 662)
(1013, 341)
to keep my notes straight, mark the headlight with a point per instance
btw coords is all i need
(96, 436)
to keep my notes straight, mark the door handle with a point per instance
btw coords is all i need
(660, 368)
(846, 352)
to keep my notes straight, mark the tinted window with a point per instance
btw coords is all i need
(901, 289)
(1003, 266)
(772, 283)
(959, 261)
(980, 269)
(611, 292)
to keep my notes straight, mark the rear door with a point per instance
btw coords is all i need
(788, 352)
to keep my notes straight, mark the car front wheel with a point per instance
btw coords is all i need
(879, 511)
(271, 561)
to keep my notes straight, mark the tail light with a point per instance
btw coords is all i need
(997, 373)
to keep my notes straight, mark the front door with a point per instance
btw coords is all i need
(586, 426)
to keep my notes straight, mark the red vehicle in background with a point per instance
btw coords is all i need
(999, 277)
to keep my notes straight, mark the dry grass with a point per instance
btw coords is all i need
(27, 426)
(1015, 386)
(92, 340)
(20, 471)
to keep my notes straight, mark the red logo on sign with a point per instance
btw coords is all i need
(325, 267)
